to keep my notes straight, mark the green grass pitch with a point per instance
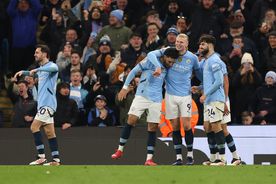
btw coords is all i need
(138, 174)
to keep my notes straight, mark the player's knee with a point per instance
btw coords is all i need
(50, 134)
(34, 128)
(152, 127)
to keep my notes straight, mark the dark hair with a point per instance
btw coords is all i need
(208, 39)
(135, 34)
(22, 82)
(171, 52)
(76, 52)
(44, 49)
(153, 23)
(63, 85)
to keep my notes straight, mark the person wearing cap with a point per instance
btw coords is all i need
(245, 82)
(270, 53)
(225, 44)
(103, 58)
(263, 103)
(148, 97)
(24, 105)
(171, 37)
(117, 32)
(67, 112)
(24, 15)
(135, 51)
(101, 115)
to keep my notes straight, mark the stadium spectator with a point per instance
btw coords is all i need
(270, 53)
(88, 50)
(24, 15)
(71, 36)
(247, 118)
(118, 33)
(24, 105)
(263, 104)
(67, 110)
(101, 115)
(94, 21)
(134, 52)
(245, 82)
(182, 25)
(103, 58)
(171, 37)
(78, 93)
(64, 57)
(47, 10)
(53, 33)
(151, 17)
(89, 78)
(259, 8)
(75, 64)
(101, 87)
(153, 40)
(225, 44)
(32, 85)
(206, 19)
(169, 15)
(129, 11)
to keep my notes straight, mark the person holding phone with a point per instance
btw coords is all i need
(245, 81)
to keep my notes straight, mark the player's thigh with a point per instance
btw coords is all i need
(154, 112)
(172, 111)
(138, 106)
(185, 106)
(35, 126)
(215, 112)
(207, 126)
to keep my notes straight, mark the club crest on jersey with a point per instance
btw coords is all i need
(188, 61)
(179, 59)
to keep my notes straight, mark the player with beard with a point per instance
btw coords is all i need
(148, 97)
(213, 95)
(226, 119)
(47, 104)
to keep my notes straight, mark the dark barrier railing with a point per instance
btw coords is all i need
(85, 145)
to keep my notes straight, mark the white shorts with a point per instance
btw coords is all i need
(226, 118)
(178, 106)
(140, 104)
(213, 112)
(45, 115)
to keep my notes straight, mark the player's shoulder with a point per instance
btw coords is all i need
(192, 56)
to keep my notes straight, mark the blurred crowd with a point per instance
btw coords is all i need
(96, 43)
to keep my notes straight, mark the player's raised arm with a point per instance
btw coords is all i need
(152, 57)
(48, 68)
